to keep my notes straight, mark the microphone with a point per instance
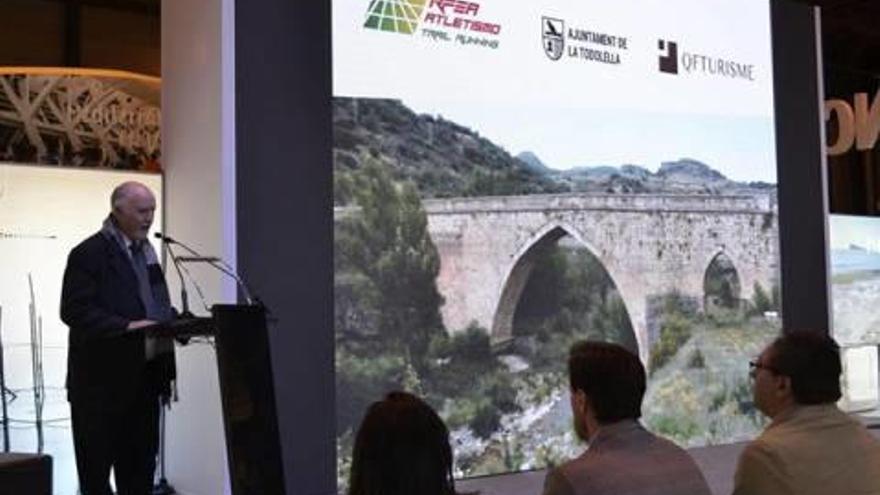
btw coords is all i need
(214, 261)
(184, 297)
(191, 259)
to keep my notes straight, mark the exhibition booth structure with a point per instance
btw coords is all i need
(505, 180)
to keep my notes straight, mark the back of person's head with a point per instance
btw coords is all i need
(401, 448)
(612, 377)
(812, 361)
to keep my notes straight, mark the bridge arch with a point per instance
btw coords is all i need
(722, 282)
(518, 272)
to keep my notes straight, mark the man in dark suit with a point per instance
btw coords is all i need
(113, 288)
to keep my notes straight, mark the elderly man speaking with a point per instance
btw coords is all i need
(113, 287)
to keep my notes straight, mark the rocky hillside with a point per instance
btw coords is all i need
(446, 159)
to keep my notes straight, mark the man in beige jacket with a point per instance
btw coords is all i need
(811, 446)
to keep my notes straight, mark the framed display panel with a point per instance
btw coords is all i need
(855, 278)
(44, 213)
(855, 295)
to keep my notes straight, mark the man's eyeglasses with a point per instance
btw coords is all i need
(755, 365)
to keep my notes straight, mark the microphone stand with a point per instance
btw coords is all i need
(163, 487)
(184, 297)
(3, 390)
(214, 261)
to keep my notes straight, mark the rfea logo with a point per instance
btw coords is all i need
(399, 16)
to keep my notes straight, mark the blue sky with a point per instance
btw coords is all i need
(848, 229)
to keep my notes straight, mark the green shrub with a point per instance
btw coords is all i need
(674, 333)
(761, 301)
(513, 454)
(482, 406)
(471, 346)
(742, 395)
(499, 389)
(697, 360)
(775, 297)
(718, 400)
(681, 429)
(440, 346)
(486, 420)
(362, 380)
(459, 412)
(739, 394)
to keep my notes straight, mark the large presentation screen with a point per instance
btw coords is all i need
(510, 177)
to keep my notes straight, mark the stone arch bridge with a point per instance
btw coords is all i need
(650, 245)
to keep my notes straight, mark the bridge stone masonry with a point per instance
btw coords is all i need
(650, 245)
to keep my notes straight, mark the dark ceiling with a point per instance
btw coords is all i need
(851, 34)
(851, 28)
(142, 6)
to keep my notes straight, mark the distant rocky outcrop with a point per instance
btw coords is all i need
(684, 176)
(687, 170)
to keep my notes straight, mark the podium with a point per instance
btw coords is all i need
(247, 391)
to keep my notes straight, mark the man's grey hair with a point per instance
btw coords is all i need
(122, 191)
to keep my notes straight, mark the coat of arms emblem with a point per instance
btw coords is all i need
(553, 37)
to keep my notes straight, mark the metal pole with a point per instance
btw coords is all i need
(37, 365)
(3, 389)
(163, 487)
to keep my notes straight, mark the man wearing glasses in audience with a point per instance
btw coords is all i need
(810, 446)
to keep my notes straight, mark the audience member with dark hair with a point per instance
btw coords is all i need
(607, 387)
(811, 446)
(401, 448)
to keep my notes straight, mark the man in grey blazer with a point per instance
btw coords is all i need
(607, 386)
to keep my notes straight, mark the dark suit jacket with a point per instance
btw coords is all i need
(106, 366)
